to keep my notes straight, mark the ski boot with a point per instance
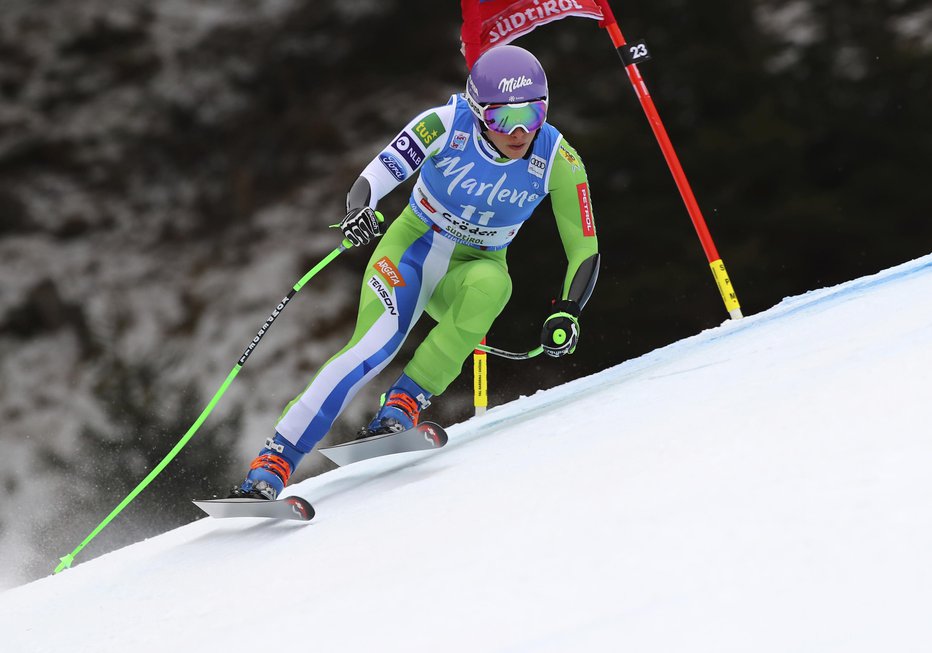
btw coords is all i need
(269, 472)
(400, 409)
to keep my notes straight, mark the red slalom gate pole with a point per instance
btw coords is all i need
(630, 55)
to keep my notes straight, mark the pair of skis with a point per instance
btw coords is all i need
(424, 436)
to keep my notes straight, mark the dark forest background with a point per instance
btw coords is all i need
(192, 160)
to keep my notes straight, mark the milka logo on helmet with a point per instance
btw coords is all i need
(512, 84)
(491, 191)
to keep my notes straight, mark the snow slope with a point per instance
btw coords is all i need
(762, 486)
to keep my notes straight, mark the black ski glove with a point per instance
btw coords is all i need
(561, 330)
(360, 226)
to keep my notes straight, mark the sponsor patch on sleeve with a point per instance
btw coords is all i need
(393, 165)
(406, 146)
(569, 157)
(585, 209)
(429, 129)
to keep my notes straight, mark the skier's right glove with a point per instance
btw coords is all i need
(561, 330)
(360, 226)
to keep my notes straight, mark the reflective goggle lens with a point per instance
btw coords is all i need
(505, 118)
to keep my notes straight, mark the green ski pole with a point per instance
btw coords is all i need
(68, 559)
(515, 356)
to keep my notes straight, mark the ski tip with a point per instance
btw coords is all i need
(434, 433)
(301, 506)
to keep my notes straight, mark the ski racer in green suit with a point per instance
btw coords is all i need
(484, 161)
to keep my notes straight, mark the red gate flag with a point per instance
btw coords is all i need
(487, 23)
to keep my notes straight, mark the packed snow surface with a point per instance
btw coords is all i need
(762, 486)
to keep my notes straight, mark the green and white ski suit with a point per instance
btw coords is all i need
(446, 255)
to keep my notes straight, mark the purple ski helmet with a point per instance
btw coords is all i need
(506, 74)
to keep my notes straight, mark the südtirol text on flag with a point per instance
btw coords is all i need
(487, 23)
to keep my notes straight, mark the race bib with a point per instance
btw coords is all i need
(458, 226)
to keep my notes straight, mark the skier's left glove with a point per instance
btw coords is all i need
(561, 330)
(361, 225)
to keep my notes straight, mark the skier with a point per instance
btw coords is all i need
(486, 159)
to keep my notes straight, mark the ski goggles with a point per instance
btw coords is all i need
(505, 118)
